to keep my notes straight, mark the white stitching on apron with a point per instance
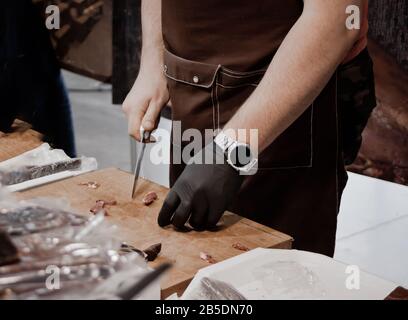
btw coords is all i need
(238, 86)
(244, 74)
(240, 76)
(213, 105)
(192, 83)
(217, 84)
(218, 103)
(310, 165)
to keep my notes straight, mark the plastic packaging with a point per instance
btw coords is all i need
(96, 282)
(42, 165)
(63, 255)
(212, 289)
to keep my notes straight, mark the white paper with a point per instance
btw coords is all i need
(271, 274)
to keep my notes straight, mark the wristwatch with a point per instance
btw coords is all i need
(238, 155)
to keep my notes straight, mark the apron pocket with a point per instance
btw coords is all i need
(206, 96)
(191, 86)
(189, 72)
(293, 148)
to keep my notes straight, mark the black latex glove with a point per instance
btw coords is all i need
(202, 192)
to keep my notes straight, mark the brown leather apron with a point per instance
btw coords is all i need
(216, 53)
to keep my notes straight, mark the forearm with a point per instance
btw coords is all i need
(152, 38)
(301, 68)
(149, 93)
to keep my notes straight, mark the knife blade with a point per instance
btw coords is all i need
(144, 137)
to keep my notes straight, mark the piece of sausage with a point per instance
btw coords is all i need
(90, 184)
(206, 257)
(240, 246)
(152, 252)
(149, 198)
(100, 206)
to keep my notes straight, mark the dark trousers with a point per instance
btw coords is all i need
(31, 86)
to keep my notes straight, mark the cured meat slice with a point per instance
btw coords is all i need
(149, 198)
(153, 251)
(8, 251)
(33, 172)
(90, 184)
(100, 206)
(240, 246)
(206, 257)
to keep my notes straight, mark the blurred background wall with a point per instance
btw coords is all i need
(384, 153)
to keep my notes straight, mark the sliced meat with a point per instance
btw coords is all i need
(206, 257)
(153, 251)
(90, 184)
(240, 246)
(8, 251)
(100, 205)
(149, 198)
(33, 172)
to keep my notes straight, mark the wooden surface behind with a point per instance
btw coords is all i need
(20, 140)
(138, 224)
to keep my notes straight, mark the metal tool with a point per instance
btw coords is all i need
(144, 137)
(83, 272)
(140, 285)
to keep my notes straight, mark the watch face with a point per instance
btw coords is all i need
(240, 155)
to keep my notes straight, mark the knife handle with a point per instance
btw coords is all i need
(144, 135)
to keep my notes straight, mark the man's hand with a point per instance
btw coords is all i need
(148, 96)
(202, 193)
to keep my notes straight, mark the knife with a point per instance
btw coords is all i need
(144, 137)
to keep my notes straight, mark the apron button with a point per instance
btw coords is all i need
(196, 79)
(165, 68)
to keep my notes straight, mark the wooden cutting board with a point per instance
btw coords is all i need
(20, 140)
(139, 228)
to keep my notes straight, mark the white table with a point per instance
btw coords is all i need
(373, 227)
